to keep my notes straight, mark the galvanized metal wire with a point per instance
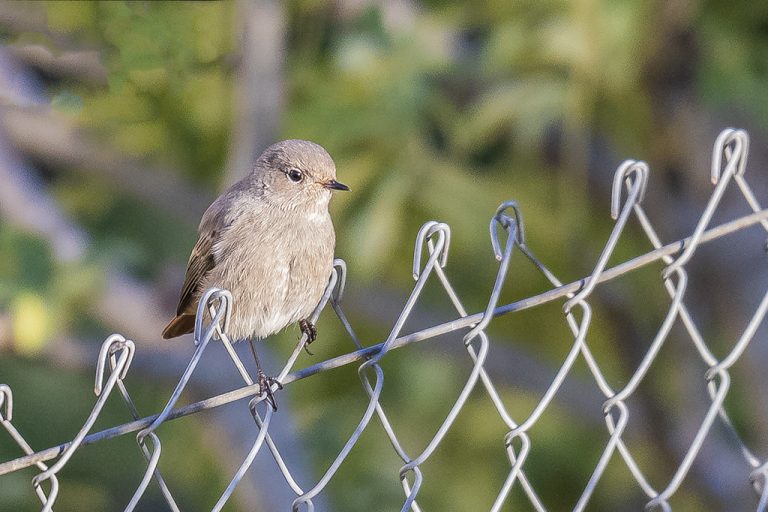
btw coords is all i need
(507, 235)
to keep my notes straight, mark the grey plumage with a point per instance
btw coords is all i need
(269, 240)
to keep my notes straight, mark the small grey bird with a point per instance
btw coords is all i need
(269, 240)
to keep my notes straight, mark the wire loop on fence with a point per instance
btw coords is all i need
(6, 403)
(731, 144)
(506, 222)
(111, 347)
(427, 231)
(635, 175)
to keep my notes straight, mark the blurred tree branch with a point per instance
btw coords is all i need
(23, 204)
(259, 85)
(18, 18)
(71, 61)
(44, 136)
(83, 66)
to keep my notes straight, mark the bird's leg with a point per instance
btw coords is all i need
(265, 383)
(310, 330)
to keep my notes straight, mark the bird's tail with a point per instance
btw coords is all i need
(182, 324)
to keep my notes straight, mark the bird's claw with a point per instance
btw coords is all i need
(310, 330)
(265, 388)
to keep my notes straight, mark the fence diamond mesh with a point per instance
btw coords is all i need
(430, 259)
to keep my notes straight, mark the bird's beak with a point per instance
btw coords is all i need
(335, 185)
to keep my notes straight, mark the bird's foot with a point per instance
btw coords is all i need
(265, 388)
(310, 330)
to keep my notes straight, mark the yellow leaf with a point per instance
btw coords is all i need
(30, 323)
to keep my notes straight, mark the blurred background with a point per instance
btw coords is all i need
(121, 122)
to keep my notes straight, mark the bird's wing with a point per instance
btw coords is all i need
(200, 263)
(202, 259)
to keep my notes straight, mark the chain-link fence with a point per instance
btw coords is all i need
(430, 257)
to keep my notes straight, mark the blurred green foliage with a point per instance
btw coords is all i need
(169, 80)
(444, 115)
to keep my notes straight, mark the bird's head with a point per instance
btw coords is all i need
(297, 174)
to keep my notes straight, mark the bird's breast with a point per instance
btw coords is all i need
(275, 271)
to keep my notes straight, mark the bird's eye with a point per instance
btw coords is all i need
(295, 175)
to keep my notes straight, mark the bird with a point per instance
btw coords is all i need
(269, 240)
